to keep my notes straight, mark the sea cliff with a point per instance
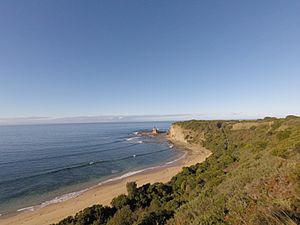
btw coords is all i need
(178, 134)
(185, 135)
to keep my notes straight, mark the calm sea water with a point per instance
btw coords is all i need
(50, 163)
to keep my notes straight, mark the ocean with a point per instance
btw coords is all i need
(45, 164)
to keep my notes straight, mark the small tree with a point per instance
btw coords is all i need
(97, 214)
(120, 201)
(131, 189)
(123, 216)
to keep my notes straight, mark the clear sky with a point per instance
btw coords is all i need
(89, 58)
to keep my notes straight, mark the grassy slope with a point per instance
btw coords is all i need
(253, 177)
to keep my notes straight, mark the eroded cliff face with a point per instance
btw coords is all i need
(178, 134)
(182, 135)
(185, 136)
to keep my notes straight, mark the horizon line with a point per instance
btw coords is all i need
(31, 120)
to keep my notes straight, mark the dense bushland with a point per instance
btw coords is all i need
(252, 177)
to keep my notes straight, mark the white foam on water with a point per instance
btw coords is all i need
(63, 198)
(59, 199)
(135, 140)
(183, 156)
(68, 196)
(129, 174)
(121, 177)
(30, 209)
(140, 171)
(132, 138)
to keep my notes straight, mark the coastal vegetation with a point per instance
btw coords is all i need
(252, 177)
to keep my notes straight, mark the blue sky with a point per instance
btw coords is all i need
(90, 58)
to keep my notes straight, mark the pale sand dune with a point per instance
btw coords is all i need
(103, 194)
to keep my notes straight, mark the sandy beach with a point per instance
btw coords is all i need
(103, 194)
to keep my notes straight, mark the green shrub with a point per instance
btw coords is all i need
(131, 189)
(156, 218)
(259, 146)
(120, 201)
(124, 216)
(280, 152)
(281, 135)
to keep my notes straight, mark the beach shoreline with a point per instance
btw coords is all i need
(107, 190)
